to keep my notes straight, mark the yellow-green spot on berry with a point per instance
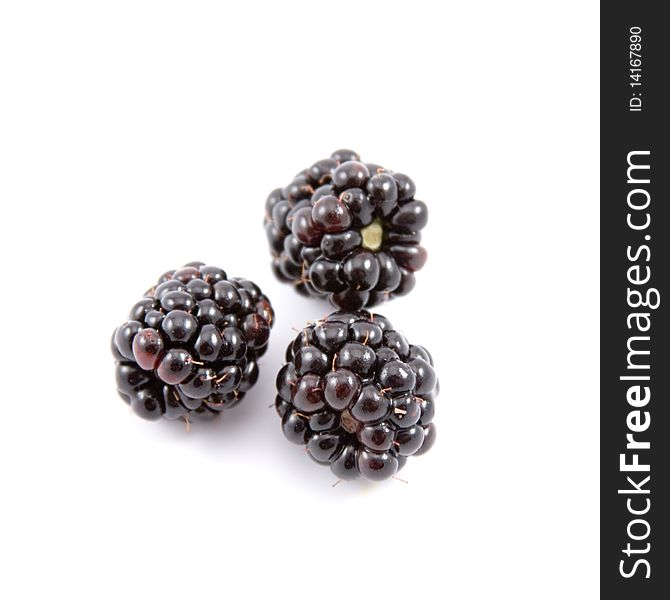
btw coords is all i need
(372, 235)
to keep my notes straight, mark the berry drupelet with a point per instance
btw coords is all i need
(347, 230)
(190, 347)
(358, 395)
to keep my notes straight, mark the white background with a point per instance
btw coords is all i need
(137, 136)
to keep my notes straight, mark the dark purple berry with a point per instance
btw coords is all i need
(324, 420)
(350, 174)
(279, 214)
(309, 359)
(324, 275)
(383, 193)
(200, 385)
(407, 283)
(227, 296)
(168, 286)
(358, 358)
(408, 441)
(367, 333)
(307, 394)
(208, 311)
(322, 171)
(209, 343)
(344, 155)
(330, 337)
(154, 318)
(287, 378)
(345, 230)
(179, 326)
(321, 191)
(384, 355)
(350, 299)
(411, 217)
(178, 300)
(377, 437)
(375, 466)
(331, 214)
(140, 310)
(397, 377)
(389, 272)
(406, 187)
(148, 348)
(340, 388)
(420, 352)
(428, 440)
(409, 257)
(146, 404)
(396, 341)
(211, 274)
(193, 350)
(227, 379)
(344, 464)
(405, 410)
(123, 338)
(371, 406)
(349, 392)
(299, 189)
(322, 447)
(361, 271)
(175, 366)
(426, 380)
(129, 378)
(360, 206)
(186, 274)
(250, 375)
(256, 330)
(281, 406)
(295, 427)
(174, 407)
(234, 344)
(339, 245)
(199, 290)
(304, 228)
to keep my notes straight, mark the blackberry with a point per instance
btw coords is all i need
(358, 395)
(347, 230)
(191, 345)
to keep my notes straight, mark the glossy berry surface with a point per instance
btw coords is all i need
(191, 345)
(357, 395)
(347, 230)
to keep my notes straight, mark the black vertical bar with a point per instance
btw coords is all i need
(635, 268)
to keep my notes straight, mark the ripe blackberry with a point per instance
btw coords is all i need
(191, 346)
(347, 230)
(358, 395)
